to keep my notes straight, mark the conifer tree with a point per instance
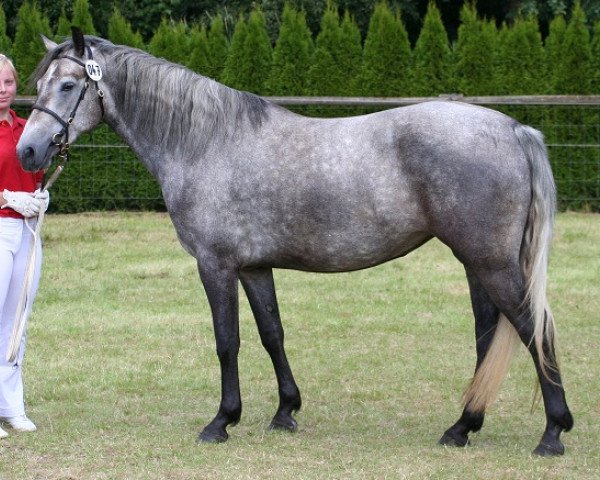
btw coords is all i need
(231, 74)
(218, 48)
(82, 17)
(535, 60)
(171, 41)
(337, 57)
(475, 54)
(5, 42)
(28, 50)
(595, 66)
(120, 31)
(573, 74)
(432, 63)
(199, 50)
(292, 55)
(325, 76)
(502, 64)
(521, 64)
(385, 69)
(349, 53)
(180, 38)
(553, 50)
(63, 28)
(159, 44)
(257, 55)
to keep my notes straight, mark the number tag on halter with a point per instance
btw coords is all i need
(93, 70)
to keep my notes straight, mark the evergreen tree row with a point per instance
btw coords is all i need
(485, 60)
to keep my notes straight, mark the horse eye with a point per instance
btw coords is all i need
(67, 86)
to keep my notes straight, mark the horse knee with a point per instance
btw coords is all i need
(272, 339)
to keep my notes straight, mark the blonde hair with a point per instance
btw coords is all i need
(6, 62)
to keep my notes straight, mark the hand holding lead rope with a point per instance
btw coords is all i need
(24, 203)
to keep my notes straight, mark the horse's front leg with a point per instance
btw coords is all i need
(220, 284)
(260, 289)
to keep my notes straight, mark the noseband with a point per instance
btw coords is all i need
(94, 73)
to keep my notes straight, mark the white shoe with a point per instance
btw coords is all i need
(3, 434)
(20, 423)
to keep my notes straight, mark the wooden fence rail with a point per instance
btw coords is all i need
(390, 102)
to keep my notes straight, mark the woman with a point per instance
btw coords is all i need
(20, 203)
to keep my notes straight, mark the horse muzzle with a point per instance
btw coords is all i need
(35, 157)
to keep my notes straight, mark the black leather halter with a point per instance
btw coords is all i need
(61, 138)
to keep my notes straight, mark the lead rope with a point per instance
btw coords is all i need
(26, 296)
(61, 140)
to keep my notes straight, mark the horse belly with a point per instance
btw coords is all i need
(334, 251)
(362, 254)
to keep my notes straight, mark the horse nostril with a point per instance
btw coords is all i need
(26, 153)
(26, 156)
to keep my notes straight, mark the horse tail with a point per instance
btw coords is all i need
(535, 248)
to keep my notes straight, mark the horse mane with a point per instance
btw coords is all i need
(167, 101)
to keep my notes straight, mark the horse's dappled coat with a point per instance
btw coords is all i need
(251, 186)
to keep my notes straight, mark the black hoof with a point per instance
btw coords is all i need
(286, 424)
(546, 450)
(208, 436)
(454, 440)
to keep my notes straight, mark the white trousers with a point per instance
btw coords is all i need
(15, 240)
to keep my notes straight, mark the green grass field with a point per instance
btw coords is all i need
(121, 370)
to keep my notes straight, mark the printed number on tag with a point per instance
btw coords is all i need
(93, 70)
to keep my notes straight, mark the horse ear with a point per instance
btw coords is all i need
(78, 41)
(49, 44)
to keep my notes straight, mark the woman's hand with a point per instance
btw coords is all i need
(22, 202)
(44, 197)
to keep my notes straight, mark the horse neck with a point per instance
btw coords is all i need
(168, 118)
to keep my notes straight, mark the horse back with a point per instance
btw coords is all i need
(344, 194)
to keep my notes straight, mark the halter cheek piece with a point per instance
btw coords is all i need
(61, 139)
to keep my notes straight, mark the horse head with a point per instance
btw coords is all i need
(64, 108)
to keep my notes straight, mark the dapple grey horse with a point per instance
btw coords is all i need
(251, 186)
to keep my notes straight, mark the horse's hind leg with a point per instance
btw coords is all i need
(260, 289)
(505, 288)
(486, 319)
